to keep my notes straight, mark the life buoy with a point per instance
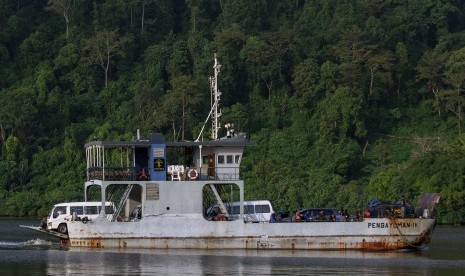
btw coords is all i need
(193, 174)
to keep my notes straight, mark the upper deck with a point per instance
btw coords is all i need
(156, 159)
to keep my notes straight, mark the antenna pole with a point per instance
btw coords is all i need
(215, 102)
(215, 99)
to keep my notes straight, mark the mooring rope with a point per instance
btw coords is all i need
(402, 235)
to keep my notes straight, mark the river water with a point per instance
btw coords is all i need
(26, 252)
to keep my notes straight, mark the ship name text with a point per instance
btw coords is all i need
(392, 225)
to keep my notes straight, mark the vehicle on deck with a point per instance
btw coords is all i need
(62, 213)
(254, 210)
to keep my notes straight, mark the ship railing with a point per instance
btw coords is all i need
(111, 174)
(227, 173)
(218, 173)
(196, 173)
(129, 174)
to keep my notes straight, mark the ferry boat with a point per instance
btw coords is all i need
(162, 191)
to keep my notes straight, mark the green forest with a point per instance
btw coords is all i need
(347, 99)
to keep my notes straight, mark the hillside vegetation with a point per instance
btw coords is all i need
(347, 99)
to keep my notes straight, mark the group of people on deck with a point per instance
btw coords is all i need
(375, 209)
(306, 216)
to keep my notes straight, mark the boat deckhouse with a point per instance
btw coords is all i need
(143, 162)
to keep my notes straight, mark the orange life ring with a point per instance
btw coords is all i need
(193, 174)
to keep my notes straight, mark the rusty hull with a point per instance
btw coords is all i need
(289, 243)
(371, 234)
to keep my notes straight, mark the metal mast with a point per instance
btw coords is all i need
(215, 100)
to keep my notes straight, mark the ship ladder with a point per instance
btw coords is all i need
(219, 201)
(123, 200)
(112, 194)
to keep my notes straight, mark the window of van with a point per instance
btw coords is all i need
(248, 209)
(59, 210)
(262, 209)
(236, 209)
(91, 210)
(109, 210)
(78, 209)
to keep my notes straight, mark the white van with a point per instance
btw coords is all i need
(254, 210)
(63, 212)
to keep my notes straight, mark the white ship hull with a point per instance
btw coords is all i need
(164, 232)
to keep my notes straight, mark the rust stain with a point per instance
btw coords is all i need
(65, 242)
(381, 245)
(94, 243)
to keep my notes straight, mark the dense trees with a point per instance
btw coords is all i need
(103, 47)
(347, 100)
(61, 7)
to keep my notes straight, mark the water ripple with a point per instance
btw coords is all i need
(30, 243)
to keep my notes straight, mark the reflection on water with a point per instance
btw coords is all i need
(200, 262)
(25, 252)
